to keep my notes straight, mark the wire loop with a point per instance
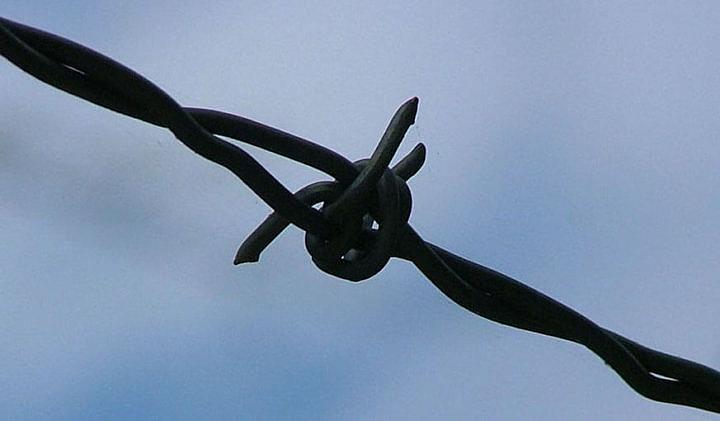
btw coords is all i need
(351, 259)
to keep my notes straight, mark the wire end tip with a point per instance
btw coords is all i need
(413, 104)
(409, 110)
(242, 257)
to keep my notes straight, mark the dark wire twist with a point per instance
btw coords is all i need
(341, 238)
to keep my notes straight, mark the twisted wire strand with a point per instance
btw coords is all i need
(87, 74)
(367, 190)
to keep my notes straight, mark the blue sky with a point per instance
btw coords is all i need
(571, 145)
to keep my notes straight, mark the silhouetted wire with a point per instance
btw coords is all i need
(340, 236)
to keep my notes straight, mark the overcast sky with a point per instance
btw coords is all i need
(571, 145)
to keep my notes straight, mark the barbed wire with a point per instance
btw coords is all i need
(340, 237)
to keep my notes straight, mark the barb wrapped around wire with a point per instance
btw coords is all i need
(340, 237)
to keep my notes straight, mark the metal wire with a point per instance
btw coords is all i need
(340, 237)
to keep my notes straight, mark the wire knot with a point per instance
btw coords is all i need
(360, 250)
(376, 194)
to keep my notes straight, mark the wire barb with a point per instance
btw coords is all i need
(341, 238)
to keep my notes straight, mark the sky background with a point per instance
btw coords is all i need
(571, 145)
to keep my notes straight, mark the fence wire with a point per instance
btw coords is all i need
(340, 237)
